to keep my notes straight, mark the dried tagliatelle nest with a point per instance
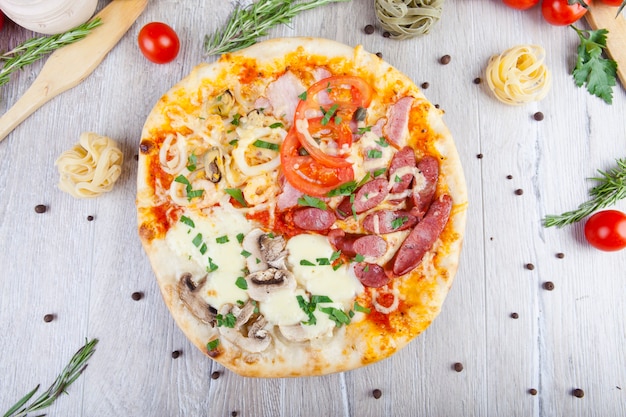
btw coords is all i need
(408, 18)
(91, 167)
(519, 75)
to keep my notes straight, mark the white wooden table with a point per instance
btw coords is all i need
(84, 272)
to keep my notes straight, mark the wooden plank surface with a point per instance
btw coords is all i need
(85, 271)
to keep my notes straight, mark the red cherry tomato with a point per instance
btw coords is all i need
(561, 13)
(520, 4)
(612, 2)
(606, 230)
(158, 42)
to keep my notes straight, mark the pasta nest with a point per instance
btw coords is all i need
(519, 75)
(408, 18)
(91, 167)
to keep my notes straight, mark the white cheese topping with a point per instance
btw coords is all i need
(340, 286)
(222, 261)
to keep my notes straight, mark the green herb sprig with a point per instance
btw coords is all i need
(594, 71)
(611, 188)
(36, 48)
(246, 24)
(70, 373)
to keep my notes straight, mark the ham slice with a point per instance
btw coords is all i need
(397, 128)
(288, 197)
(283, 93)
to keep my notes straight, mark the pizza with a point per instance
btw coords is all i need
(302, 205)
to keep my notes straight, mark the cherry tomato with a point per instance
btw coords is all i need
(606, 230)
(561, 13)
(520, 4)
(612, 2)
(158, 42)
(305, 173)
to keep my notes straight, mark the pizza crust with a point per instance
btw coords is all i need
(420, 293)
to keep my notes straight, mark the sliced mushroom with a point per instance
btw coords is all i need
(189, 294)
(258, 338)
(262, 284)
(213, 164)
(251, 244)
(294, 333)
(273, 250)
(266, 251)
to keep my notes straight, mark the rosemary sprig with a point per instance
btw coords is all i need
(611, 188)
(70, 373)
(36, 48)
(245, 25)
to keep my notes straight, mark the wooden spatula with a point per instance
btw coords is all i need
(602, 16)
(70, 65)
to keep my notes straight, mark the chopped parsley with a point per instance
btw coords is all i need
(197, 241)
(181, 179)
(399, 221)
(237, 194)
(240, 237)
(222, 239)
(235, 121)
(212, 267)
(191, 162)
(227, 320)
(303, 96)
(311, 306)
(304, 262)
(329, 114)
(374, 154)
(241, 283)
(382, 142)
(359, 258)
(276, 125)
(379, 172)
(363, 130)
(186, 220)
(338, 316)
(308, 201)
(358, 307)
(203, 248)
(266, 145)
(245, 253)
(322, 261)
(213, 344)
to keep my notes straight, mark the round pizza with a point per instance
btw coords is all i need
(302, 205)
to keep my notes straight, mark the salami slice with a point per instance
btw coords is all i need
(404, 158)
(353, 244)
(423, 193)
(371, 275)
(313, 218)
(422, 237)
(381, 222)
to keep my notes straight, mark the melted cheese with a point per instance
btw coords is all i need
(190, 243)
(338, 284)
(282, 308)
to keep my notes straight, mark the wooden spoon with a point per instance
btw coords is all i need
(70, 65)
(602, 16)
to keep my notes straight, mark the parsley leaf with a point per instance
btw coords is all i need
(592, 69)
(308, 201)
